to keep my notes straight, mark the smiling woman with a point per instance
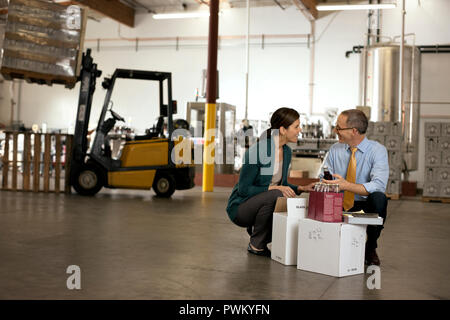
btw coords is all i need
(263, 179)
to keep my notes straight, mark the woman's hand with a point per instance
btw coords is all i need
(307, 188)
(287, 191)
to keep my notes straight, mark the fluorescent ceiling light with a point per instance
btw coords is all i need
(374, 6)
(182, 15)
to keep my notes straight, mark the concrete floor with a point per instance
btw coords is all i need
(131, 245)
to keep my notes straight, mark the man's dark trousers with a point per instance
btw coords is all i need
(376, 203)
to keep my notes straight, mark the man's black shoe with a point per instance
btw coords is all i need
(372, 258)
(265, 253)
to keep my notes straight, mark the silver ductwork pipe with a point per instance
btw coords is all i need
(380, 82)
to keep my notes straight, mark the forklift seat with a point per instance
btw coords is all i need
(155, 131)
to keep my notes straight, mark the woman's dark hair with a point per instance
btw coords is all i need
(283, 117)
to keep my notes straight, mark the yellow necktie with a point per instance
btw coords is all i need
(349, 197)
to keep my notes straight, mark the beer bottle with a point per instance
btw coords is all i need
(326, 174)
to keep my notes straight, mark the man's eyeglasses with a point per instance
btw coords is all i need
(340, 129)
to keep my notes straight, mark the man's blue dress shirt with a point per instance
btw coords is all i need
(372, 166)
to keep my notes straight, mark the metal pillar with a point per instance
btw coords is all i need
(401, 109)
(211, 90)
(247, 57)
(312, 50)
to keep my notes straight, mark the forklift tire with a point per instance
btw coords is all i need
(88, 180)
(164, 185)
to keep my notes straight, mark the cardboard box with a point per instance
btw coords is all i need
(443, 174)
(325, 206)
(432, 129)
(326, 144)
(445, 129)
(394, 143)
(382, 128)
(394, 187)
(335, 249)
(288, 212)
(430, 174)
(444, 144)
(409, 188)
(379, 138)
(446, 158)
(431, 144)
(433, 159)
(43, 42)
(396, 129)
(395, 158)
(365, 110)
(308, 144)
(432, 189)
(370, 128)
(299, 174)
(395, 173)
(445, 190)
(284, 238)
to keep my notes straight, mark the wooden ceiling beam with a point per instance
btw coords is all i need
(309, 6)
(113, 9)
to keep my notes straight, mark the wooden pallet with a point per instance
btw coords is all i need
(436, 199)
(39, 78)
(31, 180)
(393, 196)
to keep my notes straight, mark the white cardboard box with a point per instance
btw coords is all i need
(287, 214)
(335, 249)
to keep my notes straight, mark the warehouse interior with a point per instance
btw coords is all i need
(129, 242)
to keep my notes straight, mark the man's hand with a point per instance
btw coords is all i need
(287, 191)
(307, 188)
(343, 184)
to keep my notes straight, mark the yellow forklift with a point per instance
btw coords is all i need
(145, 161)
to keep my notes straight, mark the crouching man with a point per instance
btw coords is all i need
(360, 167)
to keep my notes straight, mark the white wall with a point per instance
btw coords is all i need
(279, 75)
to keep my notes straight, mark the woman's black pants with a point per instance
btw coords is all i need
(257, 212)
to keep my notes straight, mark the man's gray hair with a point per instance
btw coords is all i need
(356, 119)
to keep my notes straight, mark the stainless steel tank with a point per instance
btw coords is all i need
(379, 89)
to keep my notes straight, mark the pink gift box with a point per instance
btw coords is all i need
(325, 206)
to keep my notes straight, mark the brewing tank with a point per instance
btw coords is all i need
(379, 89)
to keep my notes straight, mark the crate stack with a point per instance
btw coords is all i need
(390, 135)
(43, 42)
(437, 161)
(3, 16)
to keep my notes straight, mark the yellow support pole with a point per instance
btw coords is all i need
(209, 148)
(211, 93)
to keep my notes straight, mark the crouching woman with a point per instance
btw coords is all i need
(263, 178)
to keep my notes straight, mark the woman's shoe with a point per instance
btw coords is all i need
(265, 253)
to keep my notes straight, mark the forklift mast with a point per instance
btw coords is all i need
(88, 76)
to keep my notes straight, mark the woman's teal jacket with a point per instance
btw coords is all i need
(256, 173)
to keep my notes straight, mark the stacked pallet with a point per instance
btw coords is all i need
(3, 15)
(43, 42)
(36, 162)
(437, 162)
(390, 135)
